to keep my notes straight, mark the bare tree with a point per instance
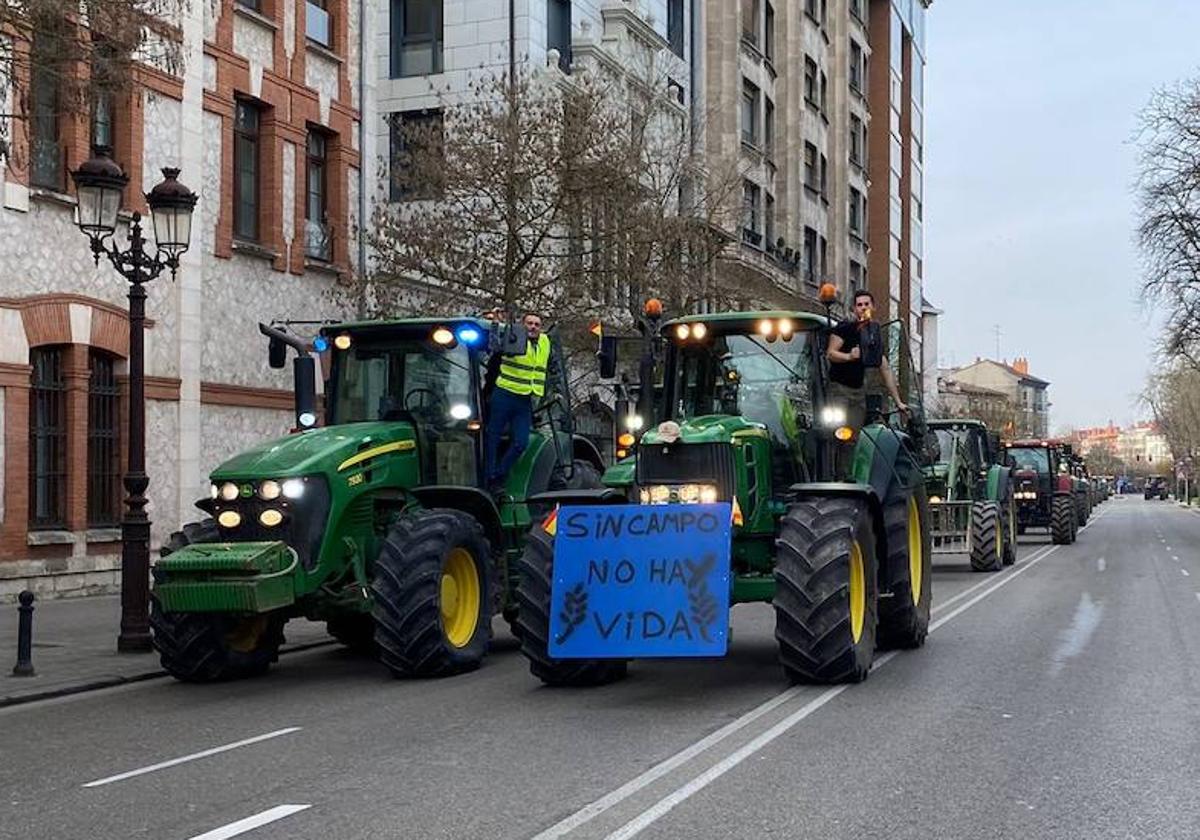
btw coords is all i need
(61, 58)
(1173, 395)
(1169, 213)
(578, 195)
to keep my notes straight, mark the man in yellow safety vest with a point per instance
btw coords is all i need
(520, 382)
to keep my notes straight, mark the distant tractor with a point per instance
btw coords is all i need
(828, 523)
(1156, 488)
(1044, 489)
(971, 502)
(376, 522)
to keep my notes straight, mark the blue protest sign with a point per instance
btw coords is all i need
(640, 581)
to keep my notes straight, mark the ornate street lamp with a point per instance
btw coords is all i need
(99, 183)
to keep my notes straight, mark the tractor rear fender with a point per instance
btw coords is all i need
(998, 480)
(883, 459)
(470, 500)
(850, 490)
(584, 450)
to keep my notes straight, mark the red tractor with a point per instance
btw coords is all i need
(1044, 488)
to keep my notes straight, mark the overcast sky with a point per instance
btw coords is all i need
(1030, 116)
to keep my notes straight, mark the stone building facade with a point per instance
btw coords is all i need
(271, 90)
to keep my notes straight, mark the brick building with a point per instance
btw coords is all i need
(263, 116)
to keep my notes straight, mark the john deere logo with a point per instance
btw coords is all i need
(247, 490)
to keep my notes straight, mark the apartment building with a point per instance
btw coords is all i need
(1027, 395)
(895, 94)
(263, 116)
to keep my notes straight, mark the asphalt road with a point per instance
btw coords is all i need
(1055, 699)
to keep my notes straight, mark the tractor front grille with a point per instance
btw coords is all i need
(303, 525)
(687, 463)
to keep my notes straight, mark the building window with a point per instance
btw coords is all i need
(815, 10)
(317, 239)
(769, 33)
(45, 145)
(857, 68)
(810, 81)
(750, 21)
(856, 212)
(769, 221)
(415, 154)
(822, 93)
(749, 113)
(824, 175)
(751, 213)
(246, 120)
(856, 9)
(47, 439)
(254, 5)
(102, 120)
(810, 255)
(416, 37)
(856, 275)
(675, 12)
(769, 127)
(104, 472)
(558, 31)
(858, 142)
(318, 23)
(822, 256)
(811, 174)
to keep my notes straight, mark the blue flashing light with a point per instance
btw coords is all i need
(468, 334)
(320, 344)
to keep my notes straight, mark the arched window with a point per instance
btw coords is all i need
(47, 439)
(103, 458)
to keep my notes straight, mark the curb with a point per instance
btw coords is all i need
(113, 682)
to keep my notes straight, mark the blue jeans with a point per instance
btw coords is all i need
(511, 412)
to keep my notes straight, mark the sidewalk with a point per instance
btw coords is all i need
(75, 648)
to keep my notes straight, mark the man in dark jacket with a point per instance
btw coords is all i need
(858, 370)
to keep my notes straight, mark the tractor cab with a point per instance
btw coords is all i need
(1044, 487)
(966, 449)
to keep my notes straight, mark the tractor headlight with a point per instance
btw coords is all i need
(634, 422)
(215, 491)
(656, 494)
(229, 519)
(293, 488)
(933, 500)
(689, 494)
(833, 416)
(708, 494)
(270, 518)
(229, 491)
(269, 490)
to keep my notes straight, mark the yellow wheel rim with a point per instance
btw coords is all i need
(916, 551)
(246, 634)
(460, 597)
(858, 592)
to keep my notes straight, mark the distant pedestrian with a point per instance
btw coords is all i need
(859, 373)
(520, 382)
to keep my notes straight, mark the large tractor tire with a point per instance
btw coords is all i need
(826, 591)
(987, 537)
(1062, 520)
(1008, 525)
(904, 615)
(433, 594)
(1081, 509)
(535, 573)
(208, 647)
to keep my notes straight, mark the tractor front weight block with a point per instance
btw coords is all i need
(246, 577)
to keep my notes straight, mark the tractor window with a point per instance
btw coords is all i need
(401, 380)
(769, 383)
(945, 439)
(1030, 458)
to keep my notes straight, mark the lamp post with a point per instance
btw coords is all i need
(99, 183)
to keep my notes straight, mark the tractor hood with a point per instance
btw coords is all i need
(711, 428)
(321, 450)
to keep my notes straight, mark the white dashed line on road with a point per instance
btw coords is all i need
(1100, 564)
(251, 823)
(1186, 573)
(162, 765)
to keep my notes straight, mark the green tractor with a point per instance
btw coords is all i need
(375, 522)
(827, 523)
(971, 503)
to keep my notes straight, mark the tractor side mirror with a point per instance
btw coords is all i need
(993, 447)
(304, 378)
(276, 353)
(606, 357)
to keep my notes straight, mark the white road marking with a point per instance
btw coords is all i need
(1198, 596)
(162, 765)
(638, 783)
(1186, 573)
(667, 803)
(251, 823)
(1075, 638)
(1100, 564)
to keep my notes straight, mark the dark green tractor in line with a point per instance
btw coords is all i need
(830, 524)
(971, 502)
(375, 522)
